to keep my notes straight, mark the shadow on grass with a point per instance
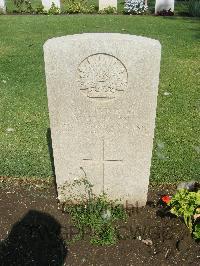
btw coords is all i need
(34, 240)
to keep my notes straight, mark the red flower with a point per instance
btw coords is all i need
(166, 199)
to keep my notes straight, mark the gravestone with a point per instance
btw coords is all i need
(2, 6)
(102, 93)
(48, 3)
(164, 5)
(107, 3)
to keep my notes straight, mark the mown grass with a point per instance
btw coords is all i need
(23, 102)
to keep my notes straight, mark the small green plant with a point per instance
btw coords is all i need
(108, 10)
(95, 213)
(196, 232)
(54, 10)
(18, 3)
(23, 6)
(75, 7)
(186, 204)
(40, 9)
(28, 6)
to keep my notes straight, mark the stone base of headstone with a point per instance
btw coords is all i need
(164, 5)
(48, 3)
(107, 3)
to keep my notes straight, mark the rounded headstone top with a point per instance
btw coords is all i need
(101, 37)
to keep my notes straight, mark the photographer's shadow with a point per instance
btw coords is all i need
(34, 240)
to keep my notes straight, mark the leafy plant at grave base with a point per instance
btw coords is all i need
(28, 6)
(186, 204)
(18, 3)
(108, 10)
(194, 8)
(196, 232)
(40, 10)
(96, 213)
(165, 13)
(74, 7)
(23, 6)
(135, 7)
(54, 10)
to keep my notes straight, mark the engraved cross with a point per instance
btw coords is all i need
(103, 160)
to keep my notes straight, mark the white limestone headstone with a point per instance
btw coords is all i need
(164, 5)
(48, 3)
(2, 6)
(102, 93)
(107, 3)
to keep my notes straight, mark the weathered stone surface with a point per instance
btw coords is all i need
(2, 6)
(164, 5)
(102, 92)
(48, 3)
(107, 3)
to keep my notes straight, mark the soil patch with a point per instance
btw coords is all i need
(35, 231)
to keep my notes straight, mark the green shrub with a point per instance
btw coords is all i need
(40, 9)
(28, 6)
(108, 10)
(196, 232)
(23, 6)
(194, 8)
(18, 3)
(186, 204)
(54, 10)
(75, 7)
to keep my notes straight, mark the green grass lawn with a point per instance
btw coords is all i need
(23, 102)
